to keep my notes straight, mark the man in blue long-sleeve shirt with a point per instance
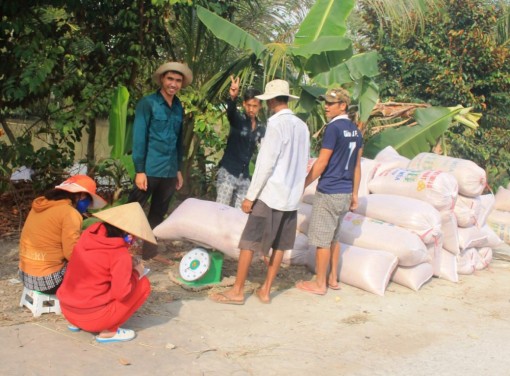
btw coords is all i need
(157, 146)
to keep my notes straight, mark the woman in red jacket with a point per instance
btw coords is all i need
(103, 285)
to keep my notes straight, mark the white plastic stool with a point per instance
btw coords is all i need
(39, 303)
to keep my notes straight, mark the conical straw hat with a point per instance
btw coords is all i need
(130, 218)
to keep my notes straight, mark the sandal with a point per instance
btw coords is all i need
(73, 328)
(122, 335)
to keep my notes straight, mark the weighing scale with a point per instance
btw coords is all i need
(199, 267)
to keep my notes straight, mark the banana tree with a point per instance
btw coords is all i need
(319, 47)
(424, 133)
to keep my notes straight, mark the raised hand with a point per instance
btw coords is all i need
(234, 87)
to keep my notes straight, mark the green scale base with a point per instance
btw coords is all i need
(213, 274)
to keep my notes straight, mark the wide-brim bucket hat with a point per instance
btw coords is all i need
(176, 67)
(276, 88)
(130, 218)
(83, 183)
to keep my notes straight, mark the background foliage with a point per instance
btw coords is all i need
(62, 62)
(453, 52)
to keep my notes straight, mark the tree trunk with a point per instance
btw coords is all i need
(91, 151)
(8, 131)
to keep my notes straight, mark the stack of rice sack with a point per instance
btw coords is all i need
(499, 218)
(465, 233)
(421, 198)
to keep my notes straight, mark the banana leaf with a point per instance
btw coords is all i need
(308, 100)
(324, 53)
(325, 18)
(228, 32)
(355, 68)
(366, 93)
(410, 141)
(117, 119)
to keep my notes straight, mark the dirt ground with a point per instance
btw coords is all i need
(458, 329)
(165, 285)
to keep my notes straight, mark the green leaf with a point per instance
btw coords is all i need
(325, 18)
(324, 53)
(309, 97)
(118, 115)
(366, 94)
(358, 66)
(323, 44)
(229, 33)
(410, 141)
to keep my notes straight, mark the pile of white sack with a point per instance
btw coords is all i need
(416, 219)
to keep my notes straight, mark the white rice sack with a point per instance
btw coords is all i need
(434, 252)
(471, 237)
(370, 233)
(300, 253)
(450, 232)
(502, 230)
(502, 199)
(449, 266)
(471, 178)
(467, 210)
(304, 214)
(435, 187)
(486, 206)
(368, 168)
(413, 277)
(309, 192)
(389, 158)
(499, 216)
(367, 269)
(499, 222)
(485, 258)
(493, 240)
(415, 215)
(466, 261)
(206, 223)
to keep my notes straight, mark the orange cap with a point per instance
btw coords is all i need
(83, 183)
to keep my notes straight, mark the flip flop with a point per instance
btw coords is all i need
(220, 297)
(122, 335)
(301, 286)
(73, 328)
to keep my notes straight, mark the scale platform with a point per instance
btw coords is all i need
(200, 267)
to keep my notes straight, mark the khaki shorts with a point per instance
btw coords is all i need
(269, 228)
(327, 213)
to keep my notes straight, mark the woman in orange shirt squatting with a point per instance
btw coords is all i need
(51, 230)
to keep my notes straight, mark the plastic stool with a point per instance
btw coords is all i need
(39, 303)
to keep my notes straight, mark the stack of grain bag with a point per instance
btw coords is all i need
(499, 218)
(467, 240)
(416, 218)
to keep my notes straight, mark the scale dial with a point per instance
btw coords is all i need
(194, 264)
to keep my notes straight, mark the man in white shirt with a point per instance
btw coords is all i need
(274, 194)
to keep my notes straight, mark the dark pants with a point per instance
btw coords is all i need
(160, 190)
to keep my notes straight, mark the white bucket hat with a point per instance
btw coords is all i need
(130, 218)
(276, 88)
(177, 67)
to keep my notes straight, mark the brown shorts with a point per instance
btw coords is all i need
(269, 228)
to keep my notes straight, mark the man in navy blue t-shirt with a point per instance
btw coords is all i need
(339, 168)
